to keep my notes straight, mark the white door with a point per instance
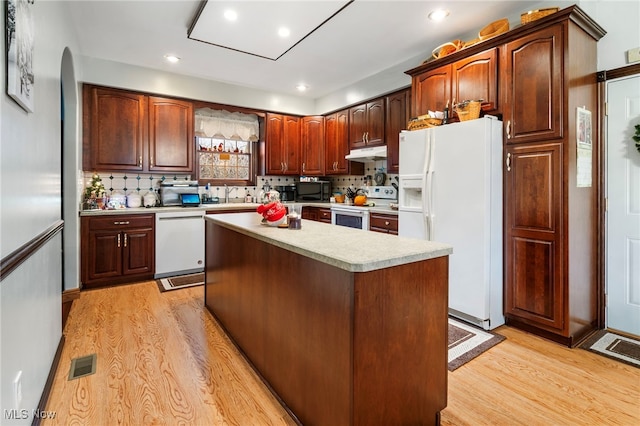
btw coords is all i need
(623, 213)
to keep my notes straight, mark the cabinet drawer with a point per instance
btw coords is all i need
(121, 222)
(383, 223)
(324, 215)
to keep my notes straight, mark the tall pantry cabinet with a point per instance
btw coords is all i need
(551, 215)
(546, 74)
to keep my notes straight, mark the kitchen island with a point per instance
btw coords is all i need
(347, 327)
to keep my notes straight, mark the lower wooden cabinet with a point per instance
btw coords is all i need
(319, 214)
(116, 249)
(385, 223)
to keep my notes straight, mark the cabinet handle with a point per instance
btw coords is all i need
(508, 129)
(125, 240)
(286, 166)
(303, 167)
(151, 164)
(282, 166)
(118, 240)
(386, 222)
(140, 162)
(335, 165)
(508, 161)
(121, 223)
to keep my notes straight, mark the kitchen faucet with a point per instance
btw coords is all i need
(227, 192)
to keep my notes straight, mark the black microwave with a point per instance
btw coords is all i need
(314, 191)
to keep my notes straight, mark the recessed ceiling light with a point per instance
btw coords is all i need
(302, 87)
(438, 15)
(284, 32)
(230, 15)
(171, 58)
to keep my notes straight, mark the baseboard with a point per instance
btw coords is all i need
(42, 405)
(68, 296)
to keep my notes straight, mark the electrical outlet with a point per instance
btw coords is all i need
(17, 389)
(633, 55)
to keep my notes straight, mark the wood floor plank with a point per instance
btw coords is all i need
(163, 360)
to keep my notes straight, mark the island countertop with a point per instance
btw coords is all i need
(350, 249)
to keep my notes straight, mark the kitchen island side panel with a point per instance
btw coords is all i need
(337, 347)
(292, 318)
(400, 344)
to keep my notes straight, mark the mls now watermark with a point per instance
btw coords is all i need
(15, 414)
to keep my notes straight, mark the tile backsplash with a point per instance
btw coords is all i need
(145, 182)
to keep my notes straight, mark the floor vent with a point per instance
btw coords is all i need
(83, 366)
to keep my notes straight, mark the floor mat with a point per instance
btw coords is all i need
(614, 346)
(180, 281)
(467, 342)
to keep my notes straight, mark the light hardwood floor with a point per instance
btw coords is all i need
(162, 360)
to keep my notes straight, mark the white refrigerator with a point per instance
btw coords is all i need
(450, 190)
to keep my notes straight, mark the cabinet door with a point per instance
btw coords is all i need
(336, 136)
(375, 122)
(357, 126)
(396, 117)
(476, 77)
(313, 145)
(533, 87)
(138, 251)
(310, 213)
(534, 289)
(431, 90)
(273, 143)
(291, 146)
(103, 255)
(324, 215)
(171, 143)
(385, 223)
(115, 128)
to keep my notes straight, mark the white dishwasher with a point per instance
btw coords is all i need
(179, 242)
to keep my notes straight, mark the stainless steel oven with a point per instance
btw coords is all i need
(350, 216)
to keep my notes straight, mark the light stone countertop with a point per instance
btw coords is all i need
(218, 208)
(350, 249)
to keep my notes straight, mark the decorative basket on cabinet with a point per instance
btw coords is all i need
(468, 110)
(534, 15)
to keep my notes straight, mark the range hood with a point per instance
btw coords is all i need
(364, 155)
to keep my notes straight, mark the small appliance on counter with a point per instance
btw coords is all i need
(314, 191)
(170, 192)
(287, 192)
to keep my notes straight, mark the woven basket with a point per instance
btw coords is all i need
(534, 15)
(493, 29)
(468, 110)
(447, 48)
(423, 123)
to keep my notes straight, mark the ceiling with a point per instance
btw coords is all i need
(332, 44)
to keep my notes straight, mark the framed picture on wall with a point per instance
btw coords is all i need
(19, 44)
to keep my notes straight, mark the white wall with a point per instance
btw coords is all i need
(30, 190)
(125, 76)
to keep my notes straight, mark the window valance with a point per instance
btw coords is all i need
(223, 124)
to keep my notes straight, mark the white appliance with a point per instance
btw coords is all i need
(179, 242)
(358, 216)
(450, 190)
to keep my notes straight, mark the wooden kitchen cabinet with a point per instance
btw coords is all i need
(115, 129)
(129, 131)
(171, 146)
(318, 214)
(312, 145)
(117, 249)
(283, 149)
(551, 222)
(533, 86)
(473, 77)
(397, 115)
(336, 146)
(385, 223)
(366, 124)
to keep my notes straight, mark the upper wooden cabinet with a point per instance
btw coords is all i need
(128, 131)
(366, 124)
(336, 146)
(282, 140)
(313, 145)
(533, 89)
(473, 77)
(171, 146)
(397, 114)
